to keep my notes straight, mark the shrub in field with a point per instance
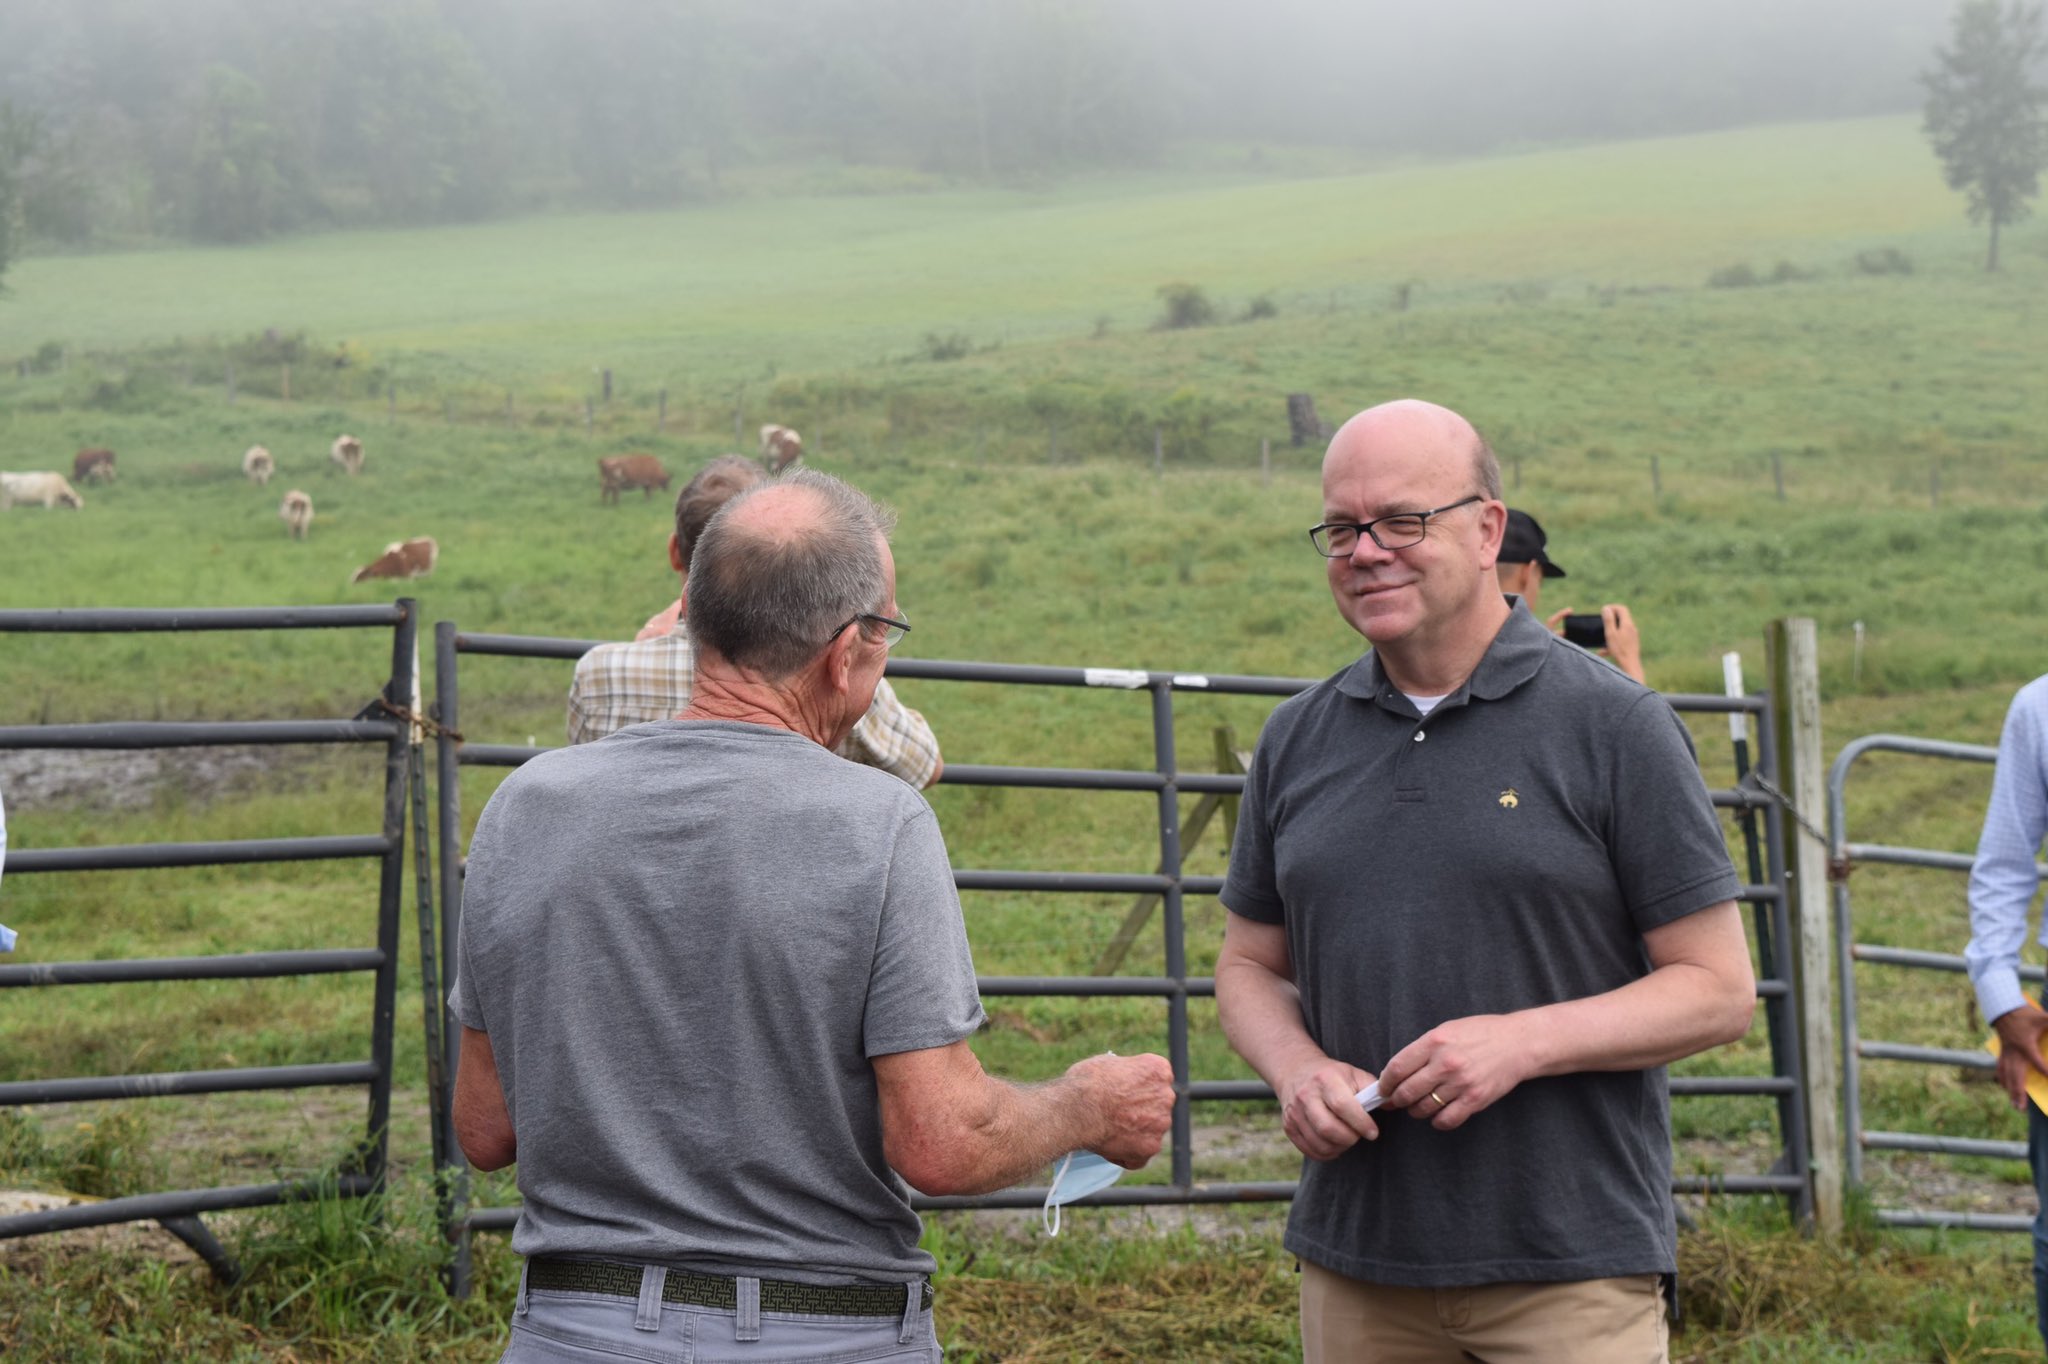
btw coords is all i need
(1740, 276)
(1261, 307)
(950, 346)
(1884, 260)
(1785, 272)
(1186, 306)
(106, 1158)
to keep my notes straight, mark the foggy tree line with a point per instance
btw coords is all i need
(225, 120)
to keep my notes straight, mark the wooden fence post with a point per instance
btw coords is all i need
(1794, 659)
(607, 387)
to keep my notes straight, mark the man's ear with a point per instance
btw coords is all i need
(1493, 526)
(675, 554)
(838, 659)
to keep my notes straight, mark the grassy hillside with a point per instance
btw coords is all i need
(1559, 298)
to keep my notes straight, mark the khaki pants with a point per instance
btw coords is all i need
(1596, 1321)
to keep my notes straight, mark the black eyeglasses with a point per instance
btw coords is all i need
(1339, 539)
(893, 630)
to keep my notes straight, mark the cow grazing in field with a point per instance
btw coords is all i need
(347, 451)
(297, 512)
(258, 466)
(93, 466)
(780, 447)
(403, 559)
(45, 486)
(617, 473)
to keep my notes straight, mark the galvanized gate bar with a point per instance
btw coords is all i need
(160, 1207)
(155, 1085)
(1855, 1049)
(125, 734)
(308, 962)
(139, 856)
(364, 1173)
(109, 619)
(1791, 1180)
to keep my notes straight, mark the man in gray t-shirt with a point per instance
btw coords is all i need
(716, 993)
(1477, 870)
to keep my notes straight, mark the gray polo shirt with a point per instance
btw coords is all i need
(687, 941)
(1509, 851)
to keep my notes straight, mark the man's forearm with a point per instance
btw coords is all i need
(1261, 1016)
(1675, 1011)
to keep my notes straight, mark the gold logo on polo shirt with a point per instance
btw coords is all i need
(1509, 800)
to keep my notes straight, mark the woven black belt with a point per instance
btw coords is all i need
(713, 1290)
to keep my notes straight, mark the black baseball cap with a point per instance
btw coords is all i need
(1523, 543)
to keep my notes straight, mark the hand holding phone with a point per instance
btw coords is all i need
(1588, 632)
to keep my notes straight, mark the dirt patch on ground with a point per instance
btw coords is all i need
(136, 779)
(139, 1238)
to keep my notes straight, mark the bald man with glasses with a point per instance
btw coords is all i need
(1477, 883)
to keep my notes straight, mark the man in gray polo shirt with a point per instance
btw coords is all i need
(1478, 868)
(716, 993)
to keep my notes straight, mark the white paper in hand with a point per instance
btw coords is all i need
(1369, 1097)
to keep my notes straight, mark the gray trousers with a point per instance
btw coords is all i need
(558, 1327)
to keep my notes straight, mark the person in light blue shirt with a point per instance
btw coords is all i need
(2003, 882)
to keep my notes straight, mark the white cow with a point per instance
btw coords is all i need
(297, 511)
(257, 465)
(780, 447)
(50, 489)
(347, 451)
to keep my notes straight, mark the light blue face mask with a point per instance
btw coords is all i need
(1079, 1174)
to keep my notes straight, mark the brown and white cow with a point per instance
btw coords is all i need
(617, 473)
(93, 466)
(402, 559)
(45, 486)
(258, 466)
(780, 447)
(297, 513)
(347, 451)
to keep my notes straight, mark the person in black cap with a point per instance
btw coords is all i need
(1523, 566)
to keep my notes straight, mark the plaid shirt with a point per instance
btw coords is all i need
(651, 679)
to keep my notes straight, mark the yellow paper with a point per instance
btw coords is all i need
(2037, 1083)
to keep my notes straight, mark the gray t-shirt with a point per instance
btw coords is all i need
(1508, 851)
(685, 941)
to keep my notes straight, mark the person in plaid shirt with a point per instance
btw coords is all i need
(651, 678)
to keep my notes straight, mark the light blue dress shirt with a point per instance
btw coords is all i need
(2005, 877)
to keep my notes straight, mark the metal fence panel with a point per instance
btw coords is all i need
(179, 1210)
(1748, 799)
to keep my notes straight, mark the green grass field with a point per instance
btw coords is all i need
(1558, 297)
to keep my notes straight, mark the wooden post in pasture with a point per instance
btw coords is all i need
(1158, 450)
(1778, 473)
(1265, 461)
(607, 388)
(231, 382)
(284, 384)
(661, 412)
(1794, 658)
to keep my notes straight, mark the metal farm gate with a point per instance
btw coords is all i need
(179, 1211)
(1844, 855)
(1752, 796)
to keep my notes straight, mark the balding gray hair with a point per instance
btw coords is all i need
(1486, 469)
(769, 603)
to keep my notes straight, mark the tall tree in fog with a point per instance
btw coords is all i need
(18, 136)
(1984, 111)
